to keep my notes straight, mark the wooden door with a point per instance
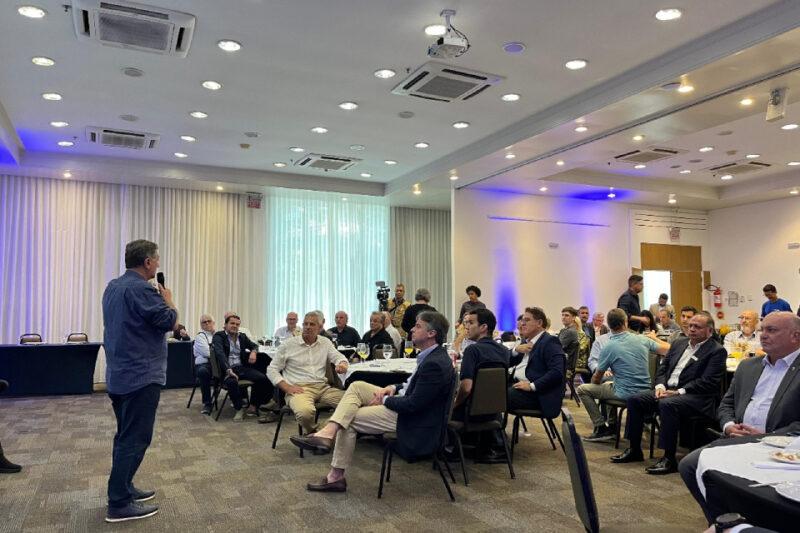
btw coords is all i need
(687, 289)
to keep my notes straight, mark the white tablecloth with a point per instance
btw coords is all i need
(741, 460)
(380, 365)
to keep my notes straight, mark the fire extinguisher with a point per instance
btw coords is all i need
(717, 294)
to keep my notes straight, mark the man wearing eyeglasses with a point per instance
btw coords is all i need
(202, 366)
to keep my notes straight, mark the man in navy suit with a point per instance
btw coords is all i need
(687, 383)
(415, 410)
(543, 386)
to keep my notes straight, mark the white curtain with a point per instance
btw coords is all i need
(421, 254)
(325, 253)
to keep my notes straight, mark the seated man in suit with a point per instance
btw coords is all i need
(345, 335)
(687, 383)
(237, 355)
(627, 355)
(300, 367)
(543, 386)
(377, 335)
(415, 410)
(764, 396)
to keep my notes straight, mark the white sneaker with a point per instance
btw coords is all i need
(239, 416)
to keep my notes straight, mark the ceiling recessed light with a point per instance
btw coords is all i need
(180, 155)
(611, 195)
(32, 12)
(789, 127)
(510, 97)
(753, 156)
(366, 175)
(685, 88)
(640, 166)
(514, 47)
(421, 145)
(65, 144)
(212, 85)
(638, 138)
(384, 73)
(670, 13)
(510, 156)
(726, 177)
(319, 129)
(581, 129)
(67, 174)
(794, 191)
(576, 64)
(435, 30)
(793, 163)
(543, 189)
(357, 147)
(706, 149)
(59, 124)
(348, 106)
(297, 149)
(229, 45)
(560, 163)
(672, 201)
(460, 125)
(188, 138)
(219, 187)
(453, 177)
(417, 191)
(198, 114)
(344, 198)
(687, 171)
(53, 97)
(42, 61)
(746, 101)
(279, 164)
(390, 162)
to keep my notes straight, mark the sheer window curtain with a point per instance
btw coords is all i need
(421, 254)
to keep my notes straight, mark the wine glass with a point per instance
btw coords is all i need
(334, 339)
(387, 351)
(361, 350)
(408, 347)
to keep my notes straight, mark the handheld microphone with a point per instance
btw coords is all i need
(160, 279)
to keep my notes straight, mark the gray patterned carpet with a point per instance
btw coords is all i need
(225, 477)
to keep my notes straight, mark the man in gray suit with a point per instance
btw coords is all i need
(764, 396)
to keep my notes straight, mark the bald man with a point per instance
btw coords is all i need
(290, 329)
(747, 336)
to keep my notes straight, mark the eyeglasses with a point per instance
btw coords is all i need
(206, 321)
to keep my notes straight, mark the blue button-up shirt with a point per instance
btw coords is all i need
(135, 319)
(420, 358)
(757, 410)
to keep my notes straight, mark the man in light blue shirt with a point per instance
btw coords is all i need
(202, 366)
(627, 356)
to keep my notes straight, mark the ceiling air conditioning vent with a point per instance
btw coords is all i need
(740, 167)
(326, 162)
(647, 156)
(445, 83)
(135, 26)
(122, 139)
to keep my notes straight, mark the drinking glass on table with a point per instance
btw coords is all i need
(387, 351)
(334, 339)
(361, 350)
(408, 347)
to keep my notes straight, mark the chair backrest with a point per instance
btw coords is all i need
(332, 377)
(508, 336)
(585, 504)
(488, 395)
(29, 338)
(216, 372)
(448, 413)
(77, 337)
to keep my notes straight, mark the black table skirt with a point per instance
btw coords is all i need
(36, 369)
(379, 379)
(180, 365)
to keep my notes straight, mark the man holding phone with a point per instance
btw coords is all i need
(136, 317)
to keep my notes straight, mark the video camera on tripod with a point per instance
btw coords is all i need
(382, 295)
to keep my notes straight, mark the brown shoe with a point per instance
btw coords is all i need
(312, 443)
(328, 486)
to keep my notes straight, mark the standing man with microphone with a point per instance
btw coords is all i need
(136, 317)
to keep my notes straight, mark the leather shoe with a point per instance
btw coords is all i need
(312, 443)
(340, 485)
(491, 457)
(665, 465)
(628, 456)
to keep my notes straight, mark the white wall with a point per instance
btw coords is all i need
(748, 249)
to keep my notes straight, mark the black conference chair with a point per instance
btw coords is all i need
(585, 503)
(216, 374)
(30, 338)
(390, 439)
(77, 337)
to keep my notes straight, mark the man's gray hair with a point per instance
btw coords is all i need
(136, 252)
(437, 322)
(423, 294)
(320, 315)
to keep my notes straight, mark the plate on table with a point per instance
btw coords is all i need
(778, 441)
(792, 458)
(789, 490)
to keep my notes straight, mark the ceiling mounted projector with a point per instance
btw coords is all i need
(452, 44)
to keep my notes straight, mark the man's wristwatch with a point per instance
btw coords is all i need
(727, 521)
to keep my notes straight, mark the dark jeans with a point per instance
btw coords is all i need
(203, 373)
(671, 410)
(262, 387)
(522, 399)
(136, 414)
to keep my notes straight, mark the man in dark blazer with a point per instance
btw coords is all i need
(237, 356)
(764, 396)
(687, 383)
(416, 410)
(543, 388)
